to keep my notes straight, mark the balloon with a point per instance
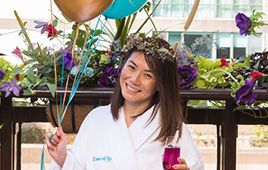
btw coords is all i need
(122, 8)
(82, 10)
(89, 72)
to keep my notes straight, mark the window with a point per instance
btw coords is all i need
(198, 43)
(207, 8)
(240, 44)
(229, 8)
(182, 8)
(174, 37)
(233, 45)
(212, 45)
(224, 44)
(239, 52)
(223, 52)
(254, 44)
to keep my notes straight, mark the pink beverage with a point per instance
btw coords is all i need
(170, 158)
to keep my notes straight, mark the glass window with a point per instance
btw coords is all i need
(207, 8)
(174, 37)
(227, 45)
(224, 44)
(239, 52)
(224, 40)
(254, 44)
(182, 8)
(240, 41)
(229, 8)
(223, 52)
(240, 44)
(235, 45)
(200, 44)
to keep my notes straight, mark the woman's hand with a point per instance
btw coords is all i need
(57, 146)
(181, 166)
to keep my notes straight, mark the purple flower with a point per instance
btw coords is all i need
(109, 76)
(183, 57)
(9, 87)
(41, 24)
(243, 23)
(69, 63)
(245, 94)
(187, 75)
(2, 74)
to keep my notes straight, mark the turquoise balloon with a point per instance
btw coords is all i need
(122, 8)
(89, 72)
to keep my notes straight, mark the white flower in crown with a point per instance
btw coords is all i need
(149, 45)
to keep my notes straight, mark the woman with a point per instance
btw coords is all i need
(130, 133)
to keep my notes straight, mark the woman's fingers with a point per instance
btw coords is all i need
(182, 165)
(181, 161)
(49, 145)
(54, 137)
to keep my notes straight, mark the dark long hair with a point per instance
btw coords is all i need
(166, 97)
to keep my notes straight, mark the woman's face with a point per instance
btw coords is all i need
(137, 81)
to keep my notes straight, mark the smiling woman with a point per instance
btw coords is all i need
(144, 111)
(138, 83)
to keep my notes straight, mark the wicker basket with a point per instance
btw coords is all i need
(74, 116)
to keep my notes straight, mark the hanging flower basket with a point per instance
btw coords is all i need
(73, 118)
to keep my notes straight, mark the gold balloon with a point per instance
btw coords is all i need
(82, 10)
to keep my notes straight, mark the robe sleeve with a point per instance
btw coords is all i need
(76, 158)
(69, 164)
(189, 152)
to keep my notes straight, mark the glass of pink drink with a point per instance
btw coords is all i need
(171, 155)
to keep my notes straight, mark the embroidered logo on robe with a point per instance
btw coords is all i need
(102, 158)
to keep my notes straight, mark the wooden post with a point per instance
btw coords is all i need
(229, 135)
(7, 134)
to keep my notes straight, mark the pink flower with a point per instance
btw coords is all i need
(256, 74)
(108, 52)
(224, 62)
(17, 52)
(51, 30)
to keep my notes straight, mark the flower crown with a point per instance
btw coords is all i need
(149, 45)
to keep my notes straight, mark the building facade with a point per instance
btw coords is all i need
(215, 20)
(213, 25)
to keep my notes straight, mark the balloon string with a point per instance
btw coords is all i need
(84, 64)
(68, 77)
(56, 80)
(42, 165)
(92, 51)
(61, 82)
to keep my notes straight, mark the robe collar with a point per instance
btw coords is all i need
(142, 129)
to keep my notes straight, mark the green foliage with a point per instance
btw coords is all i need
(256, 22)
(211, 74)
(7, 68)
(124, 25)
(33, 80)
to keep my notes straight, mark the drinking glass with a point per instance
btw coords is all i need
(171, 153)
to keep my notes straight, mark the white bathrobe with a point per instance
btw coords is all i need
(105, 144)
